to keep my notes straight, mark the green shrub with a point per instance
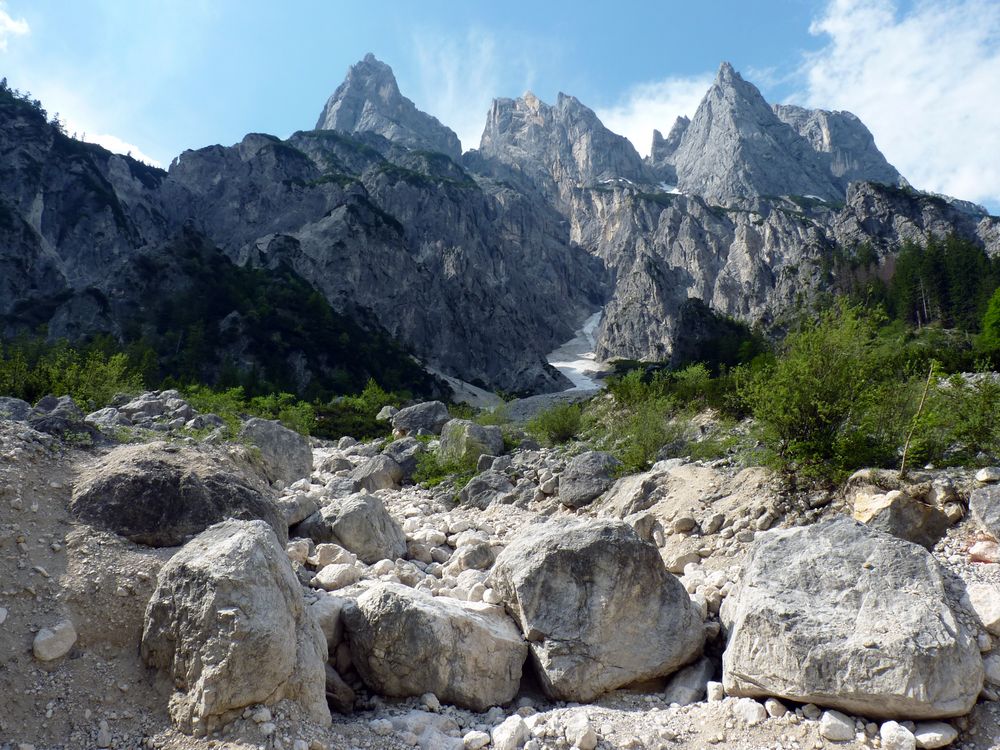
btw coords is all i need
(432, 471)
(92, 374)
(355, 415)
(807, 401)
(557, 424)
(646, 430)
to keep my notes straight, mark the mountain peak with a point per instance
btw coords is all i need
(727, 73)
(369, 100)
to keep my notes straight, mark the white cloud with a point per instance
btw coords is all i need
(649, 106)
(459, 76)
(117, 145)
(10, 27)
(924, 81)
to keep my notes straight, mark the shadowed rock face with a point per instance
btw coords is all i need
(369, 101)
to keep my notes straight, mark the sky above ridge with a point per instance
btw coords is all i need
(156, 78)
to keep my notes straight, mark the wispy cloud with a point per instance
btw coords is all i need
(924, 81)
(10, 27)
(459, 76)
(649, 106)
(111, 142)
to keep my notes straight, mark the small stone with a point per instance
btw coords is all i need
(3, 615)
(430, 702)
(261, 715)
(714, 691)
(510, 734)
(836, 727)
(988, 475)
(51, 643)
(475, 740)
(300, 745)
(896, 737)
(775, 708)
(931, 734)
(684, 524)
(985, 551)
(381, 727)
(984, 600)
(103, 734)
(811, 711)
(749, 711)
(580, 732)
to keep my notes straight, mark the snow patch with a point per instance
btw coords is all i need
(576, 359)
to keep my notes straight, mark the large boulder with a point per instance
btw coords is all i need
(844, 616)
(404, 452)
(587, 476)
(484, 488)
(597, 606)
(429, 415)
(377, 473)
(405, 642)
(14, 409)
(61, 417)
(465, 441)
(359, 523)
(229, 626)
(984, 503)
(286, 454)
(160, 495)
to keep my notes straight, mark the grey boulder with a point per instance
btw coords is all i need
(285, 453)
(847, 617)
(14, 409)
(484, 488)
(160, 495)
(228, 624)
(429, 415)
(377, 473)
(984, 504)
(464, 440)
(404, 452)
(587, 476)
(597, 606)
(405, 642)
(360, 524)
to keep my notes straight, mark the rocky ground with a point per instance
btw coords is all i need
(114, 634)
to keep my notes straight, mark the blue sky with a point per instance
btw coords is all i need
(161, 77)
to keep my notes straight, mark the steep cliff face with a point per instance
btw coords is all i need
(479, 265)
(852, 152)
(448, 264)
(754, 262)
(555, 148)
(369, 101)
(737, 148)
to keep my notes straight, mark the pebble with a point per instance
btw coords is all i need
(932, 734)
(3, 615)
(988, 475)
(896, 737)
(103, 734)
(714, 691)
(475, 740)
(267, 728)
(750, 711)
(51, 643)
(580, 732)
(511, 734)
(775, 708)
(836, 727)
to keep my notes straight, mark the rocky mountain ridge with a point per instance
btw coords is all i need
(554, 216)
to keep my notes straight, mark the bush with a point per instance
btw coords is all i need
(92, 374)
(355, 415)
(232, 406)
(647, 429)
(807, 402)
(557, 424)
(431, 471)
